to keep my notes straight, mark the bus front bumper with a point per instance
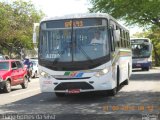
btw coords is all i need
(93, 84)
(141, 65)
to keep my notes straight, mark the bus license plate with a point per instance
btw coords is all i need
(74, 91)
(138, 65)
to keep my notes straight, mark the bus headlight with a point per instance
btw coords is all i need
(44, 74)
(102, 72)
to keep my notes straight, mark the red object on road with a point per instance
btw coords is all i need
(12, 72)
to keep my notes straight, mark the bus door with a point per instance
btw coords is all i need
(113, 53)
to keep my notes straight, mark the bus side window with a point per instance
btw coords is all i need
(112, 39)
(123, 39)
(121, 34)
(127, 37)
(118, 43)
(129, 42)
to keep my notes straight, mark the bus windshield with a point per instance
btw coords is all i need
(141, 50)
(73, 40)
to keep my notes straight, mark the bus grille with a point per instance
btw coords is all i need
(73, 85)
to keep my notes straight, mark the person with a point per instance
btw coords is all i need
(97, 39)
(137, 51)
(28, 63)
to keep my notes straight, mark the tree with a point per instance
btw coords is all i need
(142, 12)
(16, 25)
(145, 13)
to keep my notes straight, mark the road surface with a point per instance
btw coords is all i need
(140, 99)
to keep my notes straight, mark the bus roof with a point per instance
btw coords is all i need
(83, 15)
(79, 15)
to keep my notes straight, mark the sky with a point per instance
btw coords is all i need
(59, 7)
(62, 7)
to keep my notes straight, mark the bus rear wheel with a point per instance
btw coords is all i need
(145, 69)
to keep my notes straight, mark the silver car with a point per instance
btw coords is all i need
(35, 71)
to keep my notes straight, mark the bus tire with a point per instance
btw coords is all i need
(59, 94)
(113, 92)
(145, 69)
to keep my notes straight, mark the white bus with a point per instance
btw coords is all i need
(141, 53)
(70, 64)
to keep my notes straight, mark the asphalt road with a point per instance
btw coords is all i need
(140, 99)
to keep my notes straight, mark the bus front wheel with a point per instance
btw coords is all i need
(145, 69)
(113, 92)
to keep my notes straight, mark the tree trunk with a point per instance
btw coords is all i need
(156, 56)
(10, 53)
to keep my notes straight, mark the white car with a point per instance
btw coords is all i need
(35, 71)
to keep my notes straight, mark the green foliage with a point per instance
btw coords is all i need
(145, 13)
(155, 36)
(16, 24)
(142, 12)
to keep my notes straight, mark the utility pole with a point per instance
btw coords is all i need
(35, 25)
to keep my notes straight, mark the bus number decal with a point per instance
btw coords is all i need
(75, 23)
